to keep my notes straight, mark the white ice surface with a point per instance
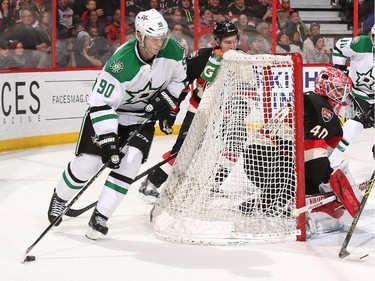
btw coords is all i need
(130, 251)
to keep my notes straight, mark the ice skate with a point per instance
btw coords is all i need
(148, 191)
(56, 207)
(97, 225)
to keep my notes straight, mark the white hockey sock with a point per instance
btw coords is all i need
(352, 129)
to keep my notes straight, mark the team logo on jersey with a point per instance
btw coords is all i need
(365, 79)
(116, 66)
(327, 114)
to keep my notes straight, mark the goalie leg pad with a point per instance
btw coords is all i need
(344, 192)
(326, 218)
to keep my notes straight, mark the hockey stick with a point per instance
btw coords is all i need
(297, 212)
(77, 212)
(27, 258)
(343, 251)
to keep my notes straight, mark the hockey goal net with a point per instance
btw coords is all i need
(239, 172)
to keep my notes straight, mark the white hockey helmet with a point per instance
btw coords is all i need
(152, 24)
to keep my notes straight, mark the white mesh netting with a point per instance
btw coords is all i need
(234, 180)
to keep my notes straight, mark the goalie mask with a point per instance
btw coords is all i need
(334, 84)
(224, 29)
(151, 23)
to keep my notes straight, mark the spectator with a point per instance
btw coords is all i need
(108, 7)
(177, 35)
(80, 52)
(6, 18)
(43, 26)
(90, 6)
(31, 39)
(206, 25)
(308, 44)
(283, 11)
(368, 22)
(264, 35)
(255, 46)
(113, 30)
(99, 46)
(238, 7)
(92, 21)
(64, 46)
(166, 6)
(152, 4)
(319, 53)
(295, 38)
(29, 5)
(243, 23)
(64, 19)
(112, 49)
(296, 24)
(44, 29)
(175, 17)
(263, 11)
(17, 57)
(187, 12)
(132, 9)
(284, 46)
(216, 9)
(4, 54)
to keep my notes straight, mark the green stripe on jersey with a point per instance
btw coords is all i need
(104, 117)
(116, 187)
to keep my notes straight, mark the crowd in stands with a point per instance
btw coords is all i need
(89, 30)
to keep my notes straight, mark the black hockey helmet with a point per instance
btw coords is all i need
(224, 29)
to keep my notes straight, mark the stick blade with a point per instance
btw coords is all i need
(343, 253)
(23, 258)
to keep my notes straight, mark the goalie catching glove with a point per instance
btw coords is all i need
(108, 144)
(161, 104)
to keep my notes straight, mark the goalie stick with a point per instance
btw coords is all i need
(297, 212)
(25, 257)
(77, 212)
(343, 251)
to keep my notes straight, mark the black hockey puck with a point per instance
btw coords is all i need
(30, 258)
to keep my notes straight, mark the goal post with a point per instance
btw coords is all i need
(240, 172)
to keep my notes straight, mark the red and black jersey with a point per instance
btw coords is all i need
(196, 63)
(322, 130)
(322, 125)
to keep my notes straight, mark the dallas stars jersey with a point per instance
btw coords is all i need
(362, 72)
(125, 85)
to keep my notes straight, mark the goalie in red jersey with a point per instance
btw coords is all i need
(322, 132)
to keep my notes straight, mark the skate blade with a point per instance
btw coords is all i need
(93, 234)
(148, 198)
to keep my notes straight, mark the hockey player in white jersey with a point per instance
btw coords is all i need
(143, 78)
(360, 51)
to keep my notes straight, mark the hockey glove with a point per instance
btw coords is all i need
(166, 123)
(161, 104)
(108, 144)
